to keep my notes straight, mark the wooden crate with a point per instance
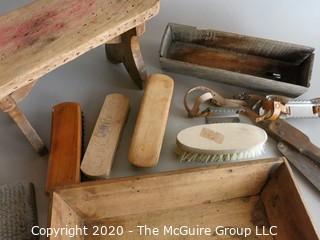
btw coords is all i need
(260, 64)
(253, 194)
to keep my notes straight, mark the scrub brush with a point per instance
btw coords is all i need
(220, 142)
(18, 211)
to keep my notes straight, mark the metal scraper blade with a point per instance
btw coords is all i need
(223, 115)
(305, 165)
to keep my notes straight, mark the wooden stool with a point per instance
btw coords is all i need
(46, 34)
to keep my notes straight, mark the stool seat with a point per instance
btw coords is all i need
(43, 35)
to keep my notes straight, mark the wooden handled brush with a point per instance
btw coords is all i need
(66, 142)
(151, 122)
(97, 161)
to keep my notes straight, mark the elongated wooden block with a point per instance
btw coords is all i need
(151, 122)
(66, 141)
(103, 144)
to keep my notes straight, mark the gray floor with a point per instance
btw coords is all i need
(90, 78)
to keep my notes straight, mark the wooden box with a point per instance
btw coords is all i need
(253, 195)
(260, 64)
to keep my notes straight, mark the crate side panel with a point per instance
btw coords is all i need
(285, 208)
(133, 195)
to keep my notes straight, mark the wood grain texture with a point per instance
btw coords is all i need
(21, 93)
(237, 59)
(57, 217)
(283, 131)
(46, 34)
(8, 105)
(182, 188)
(66, 141)
(233, 61)
(227, 195)
(285, 208)
(263, 85)
(97, 161)
(151, 122)
(126, 50)
(239, 212)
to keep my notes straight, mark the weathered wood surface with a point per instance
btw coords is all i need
(237, 60)
(285, 208)
(46, 34)
(187, 187)
(126, 49)
(283, 131)
(9, 106)
(62, 215)
(227, 195)
(97, 161)
(305, 165)
(66, 145)
(230, 61)
(239, 212)
(151, 122)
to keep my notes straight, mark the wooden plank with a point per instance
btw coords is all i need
(46, 34)
(140, 30)
(97, 161)
(284, 51)
(233, 78)
(238, 213)
(233, 61)
(63, 216)
(187, 187)
(151, 122)
(285, 208)
(66, 141)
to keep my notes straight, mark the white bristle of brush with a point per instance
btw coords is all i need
(185, 156)
(220, 142)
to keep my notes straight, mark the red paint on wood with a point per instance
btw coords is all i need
(46, 24)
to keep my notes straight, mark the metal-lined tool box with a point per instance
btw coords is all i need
(255, 63)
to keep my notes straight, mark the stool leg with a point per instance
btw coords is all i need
(127, 51)
(113, 52)
(133, 61)
(9, 106)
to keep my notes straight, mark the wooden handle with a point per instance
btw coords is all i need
(103, 144)
(296, 139)
(151, 122)
(313, 152)
(66, 140)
